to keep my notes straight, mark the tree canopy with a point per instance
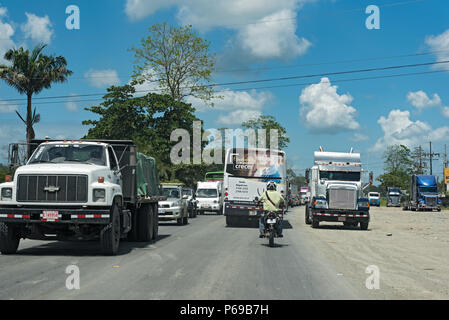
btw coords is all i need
(177, 59)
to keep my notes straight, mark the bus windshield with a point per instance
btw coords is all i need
(256, 163)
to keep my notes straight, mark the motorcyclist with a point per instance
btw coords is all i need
(272, 202)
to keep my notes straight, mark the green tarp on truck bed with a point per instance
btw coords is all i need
(147, 176)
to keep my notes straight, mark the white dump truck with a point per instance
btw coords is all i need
(335, 183)
(80, 190)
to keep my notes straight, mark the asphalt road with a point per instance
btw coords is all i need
(201, 260)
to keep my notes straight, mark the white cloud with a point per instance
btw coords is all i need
(8, 108)
(6, 32)
(275, 39)
(71, 106)
(445, 111)
(358, 137)
(323, 110)
(265, 28)
(230, 100)
(102, 78)
(440, 43)
(399, 129)
(237, 117)
(420, 100)
(241, 105)
(38, 29)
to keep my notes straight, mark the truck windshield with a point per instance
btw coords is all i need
(207, 193)
(62, 153)
(171, 192)
(340, 175)
(428, 189)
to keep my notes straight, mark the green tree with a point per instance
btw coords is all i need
(398, 167)
(177, 59)
(30, 73)
(267, 123)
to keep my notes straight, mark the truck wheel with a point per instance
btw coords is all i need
(364, 225)
(185, 220)
(146, 223)
(229, 221)
(9, 239)
(315, 223)
(307, 215)
(179, 221)
(110, 237)
(155, 222)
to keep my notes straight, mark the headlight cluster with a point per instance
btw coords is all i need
(6, 193)
(174, 204)
(99, 195)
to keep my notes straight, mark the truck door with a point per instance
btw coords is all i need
(113, 165)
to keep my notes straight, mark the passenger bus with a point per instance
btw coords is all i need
(214, 176)
(246, 174)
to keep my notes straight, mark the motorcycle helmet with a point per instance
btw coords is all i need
(271, 185)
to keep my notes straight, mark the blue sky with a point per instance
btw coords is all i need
(271, 38)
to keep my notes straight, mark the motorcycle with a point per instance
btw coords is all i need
(271, 223)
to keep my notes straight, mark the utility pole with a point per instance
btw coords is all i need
(431, 156)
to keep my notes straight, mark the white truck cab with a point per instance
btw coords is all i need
(80, 190)
(209, 197)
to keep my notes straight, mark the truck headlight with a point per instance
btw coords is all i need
(6, 193)
(174, 204)
(99, 195)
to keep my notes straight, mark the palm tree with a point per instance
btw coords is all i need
(30, 73)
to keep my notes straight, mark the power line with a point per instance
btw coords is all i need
(258, 81)
(270, 87)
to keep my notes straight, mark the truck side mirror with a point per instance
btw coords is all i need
(13, 155)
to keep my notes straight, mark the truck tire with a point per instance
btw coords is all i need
(307, 210)
(145, 223)
(133, 233)
(9, 239)
(229, 221)
(155, 222)
(110, 236)
(315, 223)
(364, 225)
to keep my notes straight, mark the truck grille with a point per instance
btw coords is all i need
(431, 201)
(394, 199)
(52, 188)
(342, 199)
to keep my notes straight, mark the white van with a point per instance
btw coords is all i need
(209, 197)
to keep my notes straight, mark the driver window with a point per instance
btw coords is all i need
(112, 160)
